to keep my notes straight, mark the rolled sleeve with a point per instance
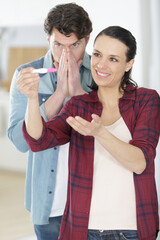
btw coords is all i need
(147, 127)
(55, 132)
(33, 143)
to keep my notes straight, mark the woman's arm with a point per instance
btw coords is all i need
(28, 83)
(33, 120)
(141, 150)
(128, 155)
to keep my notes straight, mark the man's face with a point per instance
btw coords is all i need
(59, 41)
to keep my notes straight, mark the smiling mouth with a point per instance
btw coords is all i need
(102, 74)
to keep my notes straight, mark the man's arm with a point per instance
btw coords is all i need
(18, 103)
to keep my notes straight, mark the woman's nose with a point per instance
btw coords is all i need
(102, 64)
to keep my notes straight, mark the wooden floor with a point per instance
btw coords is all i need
(14, 218)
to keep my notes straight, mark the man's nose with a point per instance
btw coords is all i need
(66, 48)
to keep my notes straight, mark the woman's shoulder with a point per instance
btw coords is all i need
(143, 92)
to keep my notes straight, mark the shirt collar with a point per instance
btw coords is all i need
(48, 62)
(130, 94)
(86, 61)
(91, 97)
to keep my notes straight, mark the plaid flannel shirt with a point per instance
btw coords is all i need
(140, 109)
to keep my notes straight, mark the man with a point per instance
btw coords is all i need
(68, 28)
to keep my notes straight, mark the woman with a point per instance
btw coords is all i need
(113, 133)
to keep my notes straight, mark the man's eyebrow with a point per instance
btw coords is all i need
(79, 40)
(55, 41)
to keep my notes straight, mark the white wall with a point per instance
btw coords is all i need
(19, 36)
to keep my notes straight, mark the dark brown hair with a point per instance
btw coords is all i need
(68, 18)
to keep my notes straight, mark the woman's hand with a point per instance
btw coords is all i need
(84, 127)
(28, 82)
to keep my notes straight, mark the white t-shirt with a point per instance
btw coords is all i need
(113, 205)
(60, 194)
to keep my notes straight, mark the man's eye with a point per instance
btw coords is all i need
(76, 44)
(58, 44)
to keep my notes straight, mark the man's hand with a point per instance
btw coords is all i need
(68, 83)
(62, 81)
(74, 81)
(28, 82)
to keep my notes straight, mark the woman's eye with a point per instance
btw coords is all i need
(114, 60)
(96, 54)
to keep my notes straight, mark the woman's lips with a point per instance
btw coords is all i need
(102, 74)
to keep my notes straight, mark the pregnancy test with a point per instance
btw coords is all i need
(44, 70)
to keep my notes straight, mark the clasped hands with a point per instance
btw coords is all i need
(68, 78)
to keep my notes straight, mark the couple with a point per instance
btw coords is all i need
(113, 133)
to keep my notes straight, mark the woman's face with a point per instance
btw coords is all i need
(109, 62)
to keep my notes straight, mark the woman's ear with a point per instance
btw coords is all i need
(129, 65)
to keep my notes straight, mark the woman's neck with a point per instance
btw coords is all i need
(109, 96)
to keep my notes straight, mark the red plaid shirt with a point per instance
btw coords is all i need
(140, 110)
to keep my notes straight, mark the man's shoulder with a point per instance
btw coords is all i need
(86, 61)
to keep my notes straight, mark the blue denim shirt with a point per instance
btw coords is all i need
(42, 166)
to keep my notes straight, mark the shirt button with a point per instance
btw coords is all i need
(50, 192)
(52, 170)
(43, 99)
(55, 148)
